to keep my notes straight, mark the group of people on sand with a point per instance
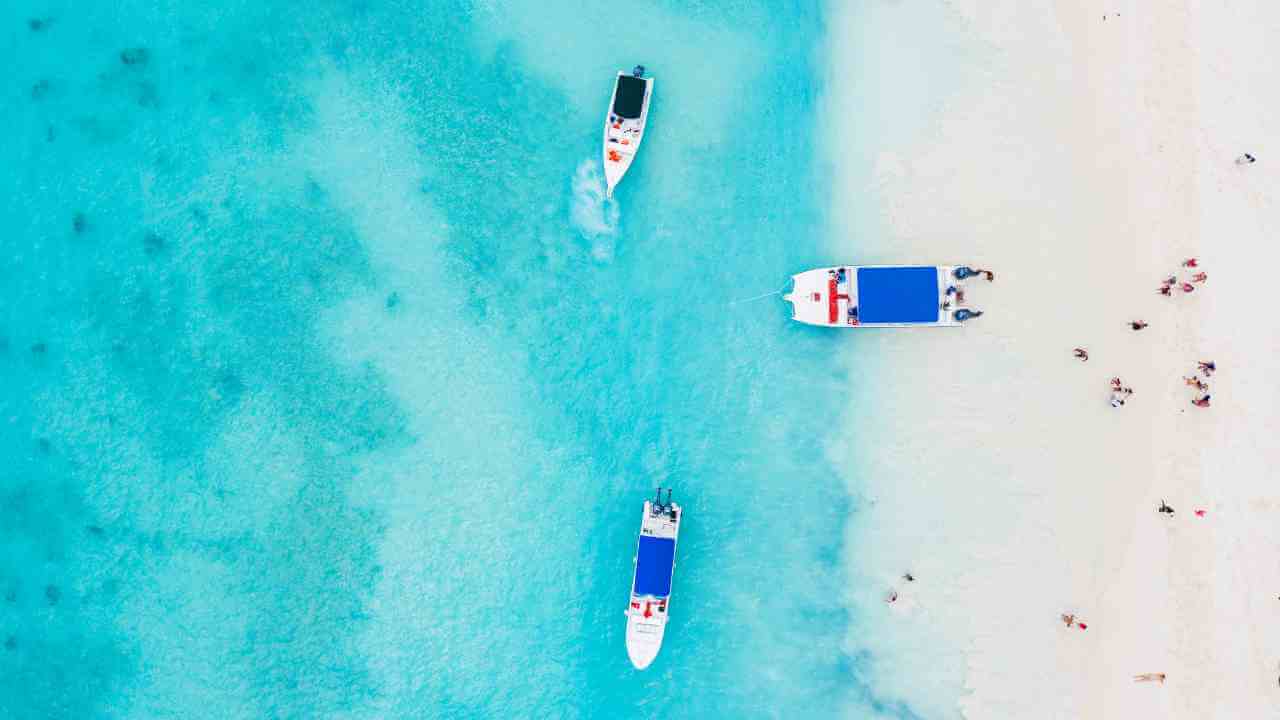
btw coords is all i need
(1188, 285)
(956, 291)
(1120, 392)
(1202, 387)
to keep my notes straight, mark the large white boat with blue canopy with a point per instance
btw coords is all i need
(883, 295)
(655, 564)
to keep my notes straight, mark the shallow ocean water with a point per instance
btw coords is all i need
(332, 386)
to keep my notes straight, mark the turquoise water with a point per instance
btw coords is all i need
(332, 388)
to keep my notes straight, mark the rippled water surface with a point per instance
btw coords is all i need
(332, 386)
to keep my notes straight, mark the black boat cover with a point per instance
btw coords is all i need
(629, 99)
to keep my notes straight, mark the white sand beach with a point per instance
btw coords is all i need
(1082, 151)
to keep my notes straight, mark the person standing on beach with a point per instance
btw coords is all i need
(1164, 290)
(1164, 508)
(1137, 324)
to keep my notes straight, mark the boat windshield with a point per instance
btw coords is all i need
(629, 100)
(653, 566)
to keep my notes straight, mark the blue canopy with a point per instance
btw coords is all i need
(653, 566)
(898, 295)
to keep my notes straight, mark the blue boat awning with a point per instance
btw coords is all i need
(653, 566)
(898, 295)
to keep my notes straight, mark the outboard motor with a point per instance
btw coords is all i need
(637, 71)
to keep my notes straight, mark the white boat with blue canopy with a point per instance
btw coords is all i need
(655, 564)
(882, 296)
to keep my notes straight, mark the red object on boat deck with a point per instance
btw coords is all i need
(647, 612)
(833, 302)
(635, 605)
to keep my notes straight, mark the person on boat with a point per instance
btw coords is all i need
(1201, 402)
(963, 314)
(853, 315)
(1199, 277)
(1082, 354)
(1164, 508)
(1208, 368)
(1137, 324)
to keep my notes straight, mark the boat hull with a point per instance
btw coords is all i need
(868, 296)
(647, 612)
(623, 135)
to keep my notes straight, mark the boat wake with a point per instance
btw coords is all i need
(593, 215)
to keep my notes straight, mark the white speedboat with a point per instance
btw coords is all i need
(882, 296)
(624, 124)
(651, 585)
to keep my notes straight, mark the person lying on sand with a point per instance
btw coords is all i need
(1082, 354)
(1164, 508)
(1116, 384)
(1150, 677)
(1199, 277)
(1207, 368)
(1201, 402)
(1137, 324)
(1070, 620)
(1196, 382)
(1188, 287)
(1164, 290)
(991, 277)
